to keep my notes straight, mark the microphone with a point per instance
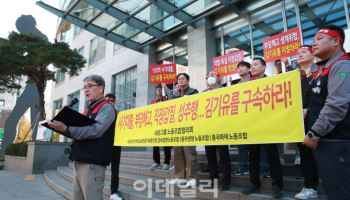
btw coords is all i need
(73, 102)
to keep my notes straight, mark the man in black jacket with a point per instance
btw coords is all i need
(328, 114)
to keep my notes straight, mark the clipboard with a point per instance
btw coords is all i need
(70, 117)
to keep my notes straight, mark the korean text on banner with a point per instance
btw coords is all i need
(227, 64)
(285, 44)
(267, 110)
(163, 73)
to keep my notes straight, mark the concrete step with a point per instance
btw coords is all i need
(233, 193)
(288, 169)
(148, 178)
(291, 183)
(61, 182)
(289, 155)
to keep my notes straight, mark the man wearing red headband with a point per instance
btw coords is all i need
(328, 115)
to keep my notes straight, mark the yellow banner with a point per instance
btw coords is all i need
(267, 110)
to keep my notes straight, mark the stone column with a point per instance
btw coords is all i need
(201, 50)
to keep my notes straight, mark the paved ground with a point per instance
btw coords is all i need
(13, 186)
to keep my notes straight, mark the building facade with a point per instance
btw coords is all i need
(121, 39)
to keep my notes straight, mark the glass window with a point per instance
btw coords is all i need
(130, 6)
(316, 14)
(125, 89)
(77, 31)
(81, 51)
(58, 104)
(200, 6)
(125, 30)
(266, 28)
(105, 21)
(116, 48)
(235, 41)
(97, 50)
(291, 18)
(73, 95)
(141, 37)
(60, 76)
(84, 11)
(2, 103)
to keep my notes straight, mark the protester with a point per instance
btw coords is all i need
(243, 167)
(328, 114)
(258, 71)
(167, 150)
(185, 158)
(91, 149)
(213, 82)
(116, 153)
(305, 61)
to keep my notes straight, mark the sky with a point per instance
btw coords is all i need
(46, 22)
(11, 10)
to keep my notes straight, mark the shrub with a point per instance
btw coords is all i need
(18, 149)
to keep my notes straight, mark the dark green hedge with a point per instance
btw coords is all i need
(19, 149)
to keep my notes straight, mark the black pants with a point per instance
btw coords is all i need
(167, 155)
(116, 151)
(225, 163)
(333, 162)
(308, 167)
(274, 161)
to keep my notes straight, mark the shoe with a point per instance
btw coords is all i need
(177, 181)
(277, 192)
(241, 172)
(306, 193)
(192, 183)
(266, 174)
(166, 166)
(172, 168)
(115, 196)
(155, 166)
(297, 160)
(251, 189)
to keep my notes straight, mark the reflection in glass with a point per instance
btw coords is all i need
(125, 89)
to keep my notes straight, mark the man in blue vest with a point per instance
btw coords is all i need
(91, 149)
(328, 113)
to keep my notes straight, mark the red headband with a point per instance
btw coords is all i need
(306, 48)
(331, 33)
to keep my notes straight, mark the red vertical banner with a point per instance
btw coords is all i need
(227, 64)
(285, 44)
(163, 73)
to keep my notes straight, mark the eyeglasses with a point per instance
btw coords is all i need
(88, 87)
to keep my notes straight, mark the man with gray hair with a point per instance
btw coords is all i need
(91, 149)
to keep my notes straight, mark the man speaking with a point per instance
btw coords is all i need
(91, 149)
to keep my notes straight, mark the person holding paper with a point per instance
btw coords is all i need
(257, 70)
(213, 82)
(91, 149)
(185, 158)
(167, 150)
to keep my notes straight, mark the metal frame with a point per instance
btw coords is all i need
(226, 2)
(346, 10)
(92, 28)
(125, 18)
(173, 10)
